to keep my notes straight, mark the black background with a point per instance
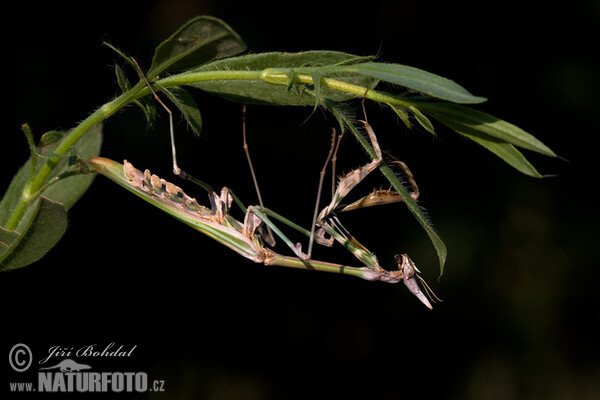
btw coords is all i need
(519, 317)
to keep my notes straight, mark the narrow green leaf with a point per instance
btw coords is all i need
(486, 124)
(506, 152)
(303, 61)
(502, 149)
(343, 113)
(416, 79)
(45, 228)
(29, 136)
(122, 80)
(403, 115)
(422, 120)
(199, 41)
(186, 104)
(144, 105)
(121, 54)
(148, 109)
(389, 174)
(260, 92)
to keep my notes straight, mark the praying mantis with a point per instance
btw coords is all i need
(249, 239)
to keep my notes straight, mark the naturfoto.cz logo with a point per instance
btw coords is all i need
(68, 375)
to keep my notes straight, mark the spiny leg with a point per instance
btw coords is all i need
(353, 178)
(409, 176)
(331, 224)
(380, 197)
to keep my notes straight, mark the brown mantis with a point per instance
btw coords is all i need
(247, 237)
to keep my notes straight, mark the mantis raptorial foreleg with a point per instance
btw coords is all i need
(379, 197)
(331, 225)
(354, 177)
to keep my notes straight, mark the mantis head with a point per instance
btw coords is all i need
(408, 271)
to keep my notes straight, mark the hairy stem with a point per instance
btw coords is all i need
(272, 76)
(37, 182)
(281, 78)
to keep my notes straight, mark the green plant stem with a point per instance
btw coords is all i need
(282, 78)
(34, 186)
(279, 77)
(272, 76)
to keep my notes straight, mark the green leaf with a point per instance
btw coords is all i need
(199, 41)
(402, 114)
(313, 63)
(148, 108)
(122, 55)
(186, 104)
(49, 138)
(13, 193)
(44, 229)
(422, 120)
(416, 79)
(389, 174)
(69, 189)
(66, 191)
(343, 112)
(502, 149)
(484, 123)
(122, 80)
(145, 105)
(7, 239)
(40, 214)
